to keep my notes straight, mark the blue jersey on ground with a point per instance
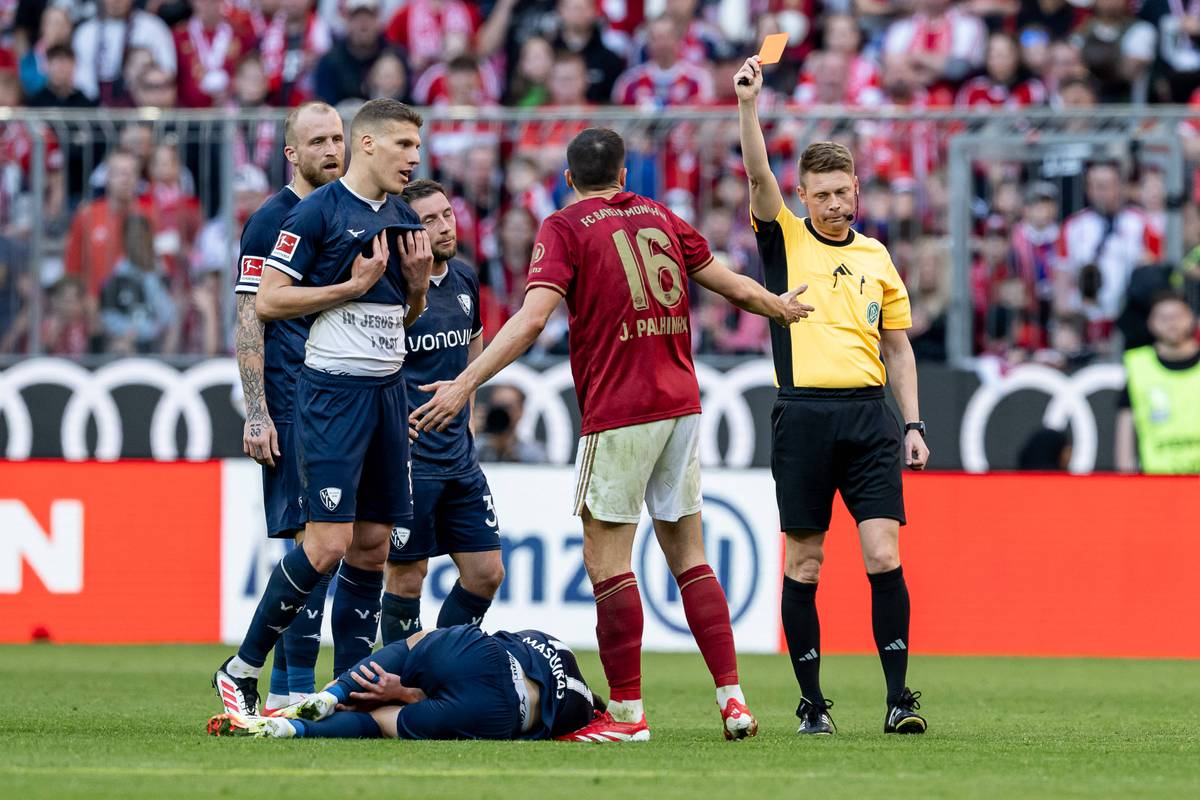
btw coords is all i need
(567, 702)
(283, 340)
(437, 351)
(316, 246)
(470, 677)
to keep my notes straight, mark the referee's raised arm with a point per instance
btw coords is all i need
(765, 198)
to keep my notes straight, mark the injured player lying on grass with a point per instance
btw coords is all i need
(449, 683)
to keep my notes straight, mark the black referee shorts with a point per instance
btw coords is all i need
(827, 440)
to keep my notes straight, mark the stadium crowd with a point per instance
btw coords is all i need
(136, 248)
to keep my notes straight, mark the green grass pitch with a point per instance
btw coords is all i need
(128, 722)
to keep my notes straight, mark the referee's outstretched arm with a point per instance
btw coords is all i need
(897, 353)
(765, 197)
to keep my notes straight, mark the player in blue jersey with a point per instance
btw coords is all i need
(350, 406)
(450, 683)
(269, 357)
(453, 511)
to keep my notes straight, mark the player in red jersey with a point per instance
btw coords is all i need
(623, 262)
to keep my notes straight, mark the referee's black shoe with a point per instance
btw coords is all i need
(902, 716)
(814, 718)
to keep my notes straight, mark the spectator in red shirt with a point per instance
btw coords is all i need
(827, 80)
(94, 242)
(208, 48)
(71, 324)
(1004, 83)
(843, 36)
(665, 80)
(460, 80)
(449, 140)
(702, 42)
(428, 29)
(174, 209)
(943, 43)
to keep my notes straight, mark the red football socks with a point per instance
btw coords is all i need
(707, 614)
(619, 634)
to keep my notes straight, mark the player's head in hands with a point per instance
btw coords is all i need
(828, 187)
(385, 142)
(432, 204)
(314, 143)
(596, 162)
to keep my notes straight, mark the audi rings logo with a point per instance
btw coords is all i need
(548, 396)
(91, 398)
(1068, 405)
(731, 550)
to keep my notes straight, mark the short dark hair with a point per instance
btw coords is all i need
(422, 188)
(60, 51)
(374, 113)
(595, 158)
(462, 63)
(1167, 296)
(289, 124)
(822, 157)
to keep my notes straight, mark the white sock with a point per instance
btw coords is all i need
(296, 697)
(285, 731)
(278, 700)
(734, 690)
(240, 669)
(626, 710)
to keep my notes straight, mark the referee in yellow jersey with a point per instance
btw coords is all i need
(832, 430)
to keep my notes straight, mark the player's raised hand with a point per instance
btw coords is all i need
(416, 263)
(748, 81)
(260, 440)
(448, 399)
(366, 271)
(382, 687)
(793, 309)
(916, 452)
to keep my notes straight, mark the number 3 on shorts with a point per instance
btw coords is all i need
(491, 510)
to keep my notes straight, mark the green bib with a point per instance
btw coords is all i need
(1166, 413)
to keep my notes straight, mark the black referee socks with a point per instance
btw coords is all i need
(802, 629)
(889, 621)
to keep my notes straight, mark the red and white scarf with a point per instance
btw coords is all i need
(273, 48)
(211, 55)
(428, 26)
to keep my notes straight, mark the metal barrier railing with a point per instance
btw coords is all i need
(687, 158)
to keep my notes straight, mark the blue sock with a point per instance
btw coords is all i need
(391, 658)
(355, 615)
(287, 590)
(401, 617)
(279, 670)
(462, 608)
(342, 725)
(303, 641)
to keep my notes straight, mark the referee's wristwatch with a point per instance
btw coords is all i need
(919, 427)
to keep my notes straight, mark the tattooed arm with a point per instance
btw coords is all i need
(259, 440)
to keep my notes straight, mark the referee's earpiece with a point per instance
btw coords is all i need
(850, 216)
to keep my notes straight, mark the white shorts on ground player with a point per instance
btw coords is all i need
(658, 462)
